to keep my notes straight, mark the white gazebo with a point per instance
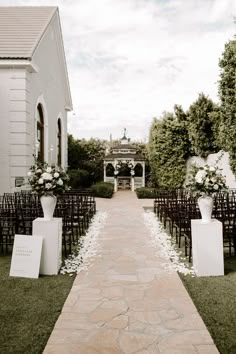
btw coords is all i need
(124, 167)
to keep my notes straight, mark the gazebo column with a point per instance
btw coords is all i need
(115, 185)
(143, 181)
(105, 172)
(132, 184)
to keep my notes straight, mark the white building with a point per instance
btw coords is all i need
(34, 91)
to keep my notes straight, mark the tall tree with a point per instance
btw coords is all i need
(201, 126)
(227, 94)
(169, 148)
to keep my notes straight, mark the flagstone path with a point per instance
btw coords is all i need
(125, 302)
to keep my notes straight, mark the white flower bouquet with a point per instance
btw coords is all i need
(45, 179)
(206, 181)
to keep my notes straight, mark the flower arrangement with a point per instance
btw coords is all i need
(45, 179)
(206, 181)
(120, 164)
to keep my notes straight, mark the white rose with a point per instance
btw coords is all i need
(48, 185)
(49, 169)
(47, 176)
(200, 176)
(56, 174)
(60, 182)
(40, 181)
(212, 169)
(216, 187)
(39, 170)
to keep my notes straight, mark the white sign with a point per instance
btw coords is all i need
(26, 256)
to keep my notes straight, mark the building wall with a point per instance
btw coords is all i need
(15, 139)
(48, 87)
(20, 93)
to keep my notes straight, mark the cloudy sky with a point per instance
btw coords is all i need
(130, 60)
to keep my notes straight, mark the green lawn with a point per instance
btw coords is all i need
(29, 309)
(215, 299)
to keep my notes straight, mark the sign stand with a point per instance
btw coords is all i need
(26, 256)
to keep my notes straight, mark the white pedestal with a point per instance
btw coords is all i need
(207, 248)
(51, 231)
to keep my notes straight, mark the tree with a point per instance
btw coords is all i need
(227, 85)
(201, 126)
(86, 157)
(169, 149)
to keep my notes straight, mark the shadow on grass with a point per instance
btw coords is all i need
(29, 309)
(215, 299)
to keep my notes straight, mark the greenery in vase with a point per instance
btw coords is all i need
(206, 181)
(45, 179)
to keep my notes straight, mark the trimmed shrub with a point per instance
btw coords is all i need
(79, 178)
(146, 193)
(103, 189)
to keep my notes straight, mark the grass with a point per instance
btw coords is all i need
(29, 309)
(215, 299)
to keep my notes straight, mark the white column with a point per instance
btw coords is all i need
(143, 183)
(207, 247)
(105, 175)
(51, 231)
(132, 184)
(115, 185)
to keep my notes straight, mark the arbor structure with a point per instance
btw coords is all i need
(124, 166)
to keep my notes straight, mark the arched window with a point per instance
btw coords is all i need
(40, 134)
(59, 147)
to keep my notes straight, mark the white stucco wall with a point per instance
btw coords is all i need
(20, 92)
(222, 164)
(48, 87)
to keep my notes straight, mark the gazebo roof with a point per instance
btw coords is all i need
(121, 156)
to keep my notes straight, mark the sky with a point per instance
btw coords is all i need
(130, 60)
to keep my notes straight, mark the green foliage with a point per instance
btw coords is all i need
(103, 189)
(168, 149)
(79, 178)
(227, 84)
(201, 127)
(87, 155)
(29, 309)
(146, 193)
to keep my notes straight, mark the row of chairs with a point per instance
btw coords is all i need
(176, 209)
(18, 210)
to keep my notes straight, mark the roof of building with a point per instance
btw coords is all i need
(21, 28)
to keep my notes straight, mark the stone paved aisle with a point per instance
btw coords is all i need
(125, 302)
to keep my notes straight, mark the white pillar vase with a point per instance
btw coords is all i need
(205, 206)
(48, 203)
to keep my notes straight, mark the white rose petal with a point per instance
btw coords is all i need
(47, 176)
(212, 169)
(60, 182)
(39, 170)
(56, 175)
(49, 169)
(40, 181)
(216, 187)
(200, 176)
(48, 185)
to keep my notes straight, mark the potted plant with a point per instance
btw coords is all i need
(48, 182)
(205, 182)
